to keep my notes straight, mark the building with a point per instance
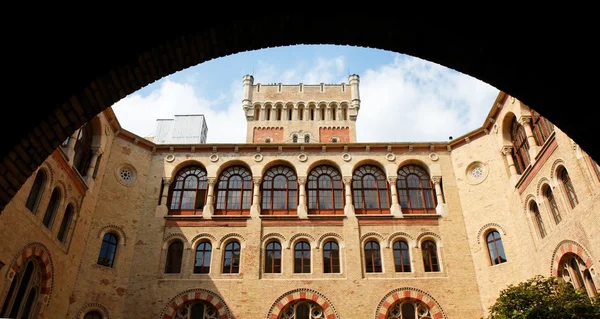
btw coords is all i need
(183, 129)
(300, 219)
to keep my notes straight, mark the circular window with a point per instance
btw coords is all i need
(126, 174)
(476, 172)
(268, 140)
(334, 139)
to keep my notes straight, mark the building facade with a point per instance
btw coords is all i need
(301, 221)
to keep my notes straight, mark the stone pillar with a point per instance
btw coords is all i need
(302, 207)
(395, 209)
(209, 207)
(507, 151)
(340, 113)
(70, 152)
(164, 198)
(349, 206)
(437, 180)
(263, 113)
(90, 172)
(306, 113)
(354, 92)
(533, 147)
(295, 113)
(255, 208)
(328, 111)
(247, 82)
(318, 113)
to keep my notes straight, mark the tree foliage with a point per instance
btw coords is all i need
(544, 298)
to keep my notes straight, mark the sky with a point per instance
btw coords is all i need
(403, 98)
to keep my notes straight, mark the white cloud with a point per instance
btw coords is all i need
(407, 100)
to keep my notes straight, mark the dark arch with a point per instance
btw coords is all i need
(93, 77)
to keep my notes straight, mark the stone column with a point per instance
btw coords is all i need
(349, 206)
(295, 113)
(533, 147)
(328, 111)
(263, 113)
(306, 113)
(507, 151)
(209, 207)
(255, 208)
(340, 113)
(302, 207)
(395, 209)
(70, 152)
(437, 180)
(162, 209)
(90, 172)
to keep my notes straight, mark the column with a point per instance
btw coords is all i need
(90, 172)
(507, 151)
(263, 113)
(302, 207)
(295, 112)
(533, 147)
(70, 152)
(349, 207)
(340, 113)
(328, 112)
(306, 113)
(395, 209)
(255, 208)
(438, 189)
(164, 198)
(209, 207)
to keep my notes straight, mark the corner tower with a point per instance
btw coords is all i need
(301, 113)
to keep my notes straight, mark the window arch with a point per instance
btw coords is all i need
(325, 191)
(575, 272)
(302, 309)
(331, 257)
(430, 256)
(198, 309)
(371, 194)
(83, 148)
(231, 258)
(537, 218)
(567, 186)
(174, 256)
(416, 191)
(52, 208)
(24, 291)
(63, 231)
(37, 190)
(495, 247)
(302, 257)
(372, 257)
(551, 201)
(203, 257)
(409, 309)
(108, 250)
(295, 138)
(520, 146)
(93, 315)
(401, 256)
(189, 190)
(273, 257)
(234, 191)
(279, 191)
(541, 127)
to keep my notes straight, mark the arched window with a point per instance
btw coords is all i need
(416, 190)
(231, 259)
(108, 250)
(234, 191)
(174, 256)
(93, 315)
(302, 309)
(567, 186)
(36, 192)
(279, 113)
(372, 257)
(279, 191)
(199, 309)
(575, 272)
(370, 190)
(325, 191)
(520, 146)
(273, 257)
(301, 113)
(401, 256)
(257, 112)
(312, 114)
(302, 257)
(537, 218)
(202, 260)
(295, 138)
(552, 204)
(189, 190)
(83, 149)
(495, 248)
(541, 127)
(331, 257)
(25, 288)
(306, 138)
(408, 309)
(63, 231)
(430, 256)
(52, 208)
(345, 113)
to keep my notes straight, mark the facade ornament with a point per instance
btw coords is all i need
(347, 179)
(507, 150)
(392, 179)
(211, 181)
(302, 180)
(257, 180)
(436, 179)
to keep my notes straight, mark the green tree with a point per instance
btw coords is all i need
(544, 298)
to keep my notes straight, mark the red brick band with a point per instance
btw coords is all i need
(39, 252)
(191, 295)
(302, 294)
(569, 247)
(407, 293)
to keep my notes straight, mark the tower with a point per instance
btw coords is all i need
(301, 113)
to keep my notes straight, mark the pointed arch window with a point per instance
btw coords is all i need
(231, 258)
(199, 309)
(331, 257)
(302, 257)
(537, 218)
(574, 271)
(372, 252)
(108, 250)
(189, 190)
(520, 146)
(567, 186)
(174, 256)
(302, 309)
(371, 194)
(63, 231)
(495, 248)
(552, 204)
(52, 208)
(279, 190)
(234, 191)
(25, 288)
(35, 195)
(325, 191)
(430, 256)
(416, 191)
(202, 260)
(408, 309)
(401, 256)
(273, 257)
(541, 127)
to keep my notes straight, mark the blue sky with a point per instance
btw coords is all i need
(402, 98)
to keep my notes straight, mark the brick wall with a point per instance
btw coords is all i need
(261, 133)
(326, 133)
